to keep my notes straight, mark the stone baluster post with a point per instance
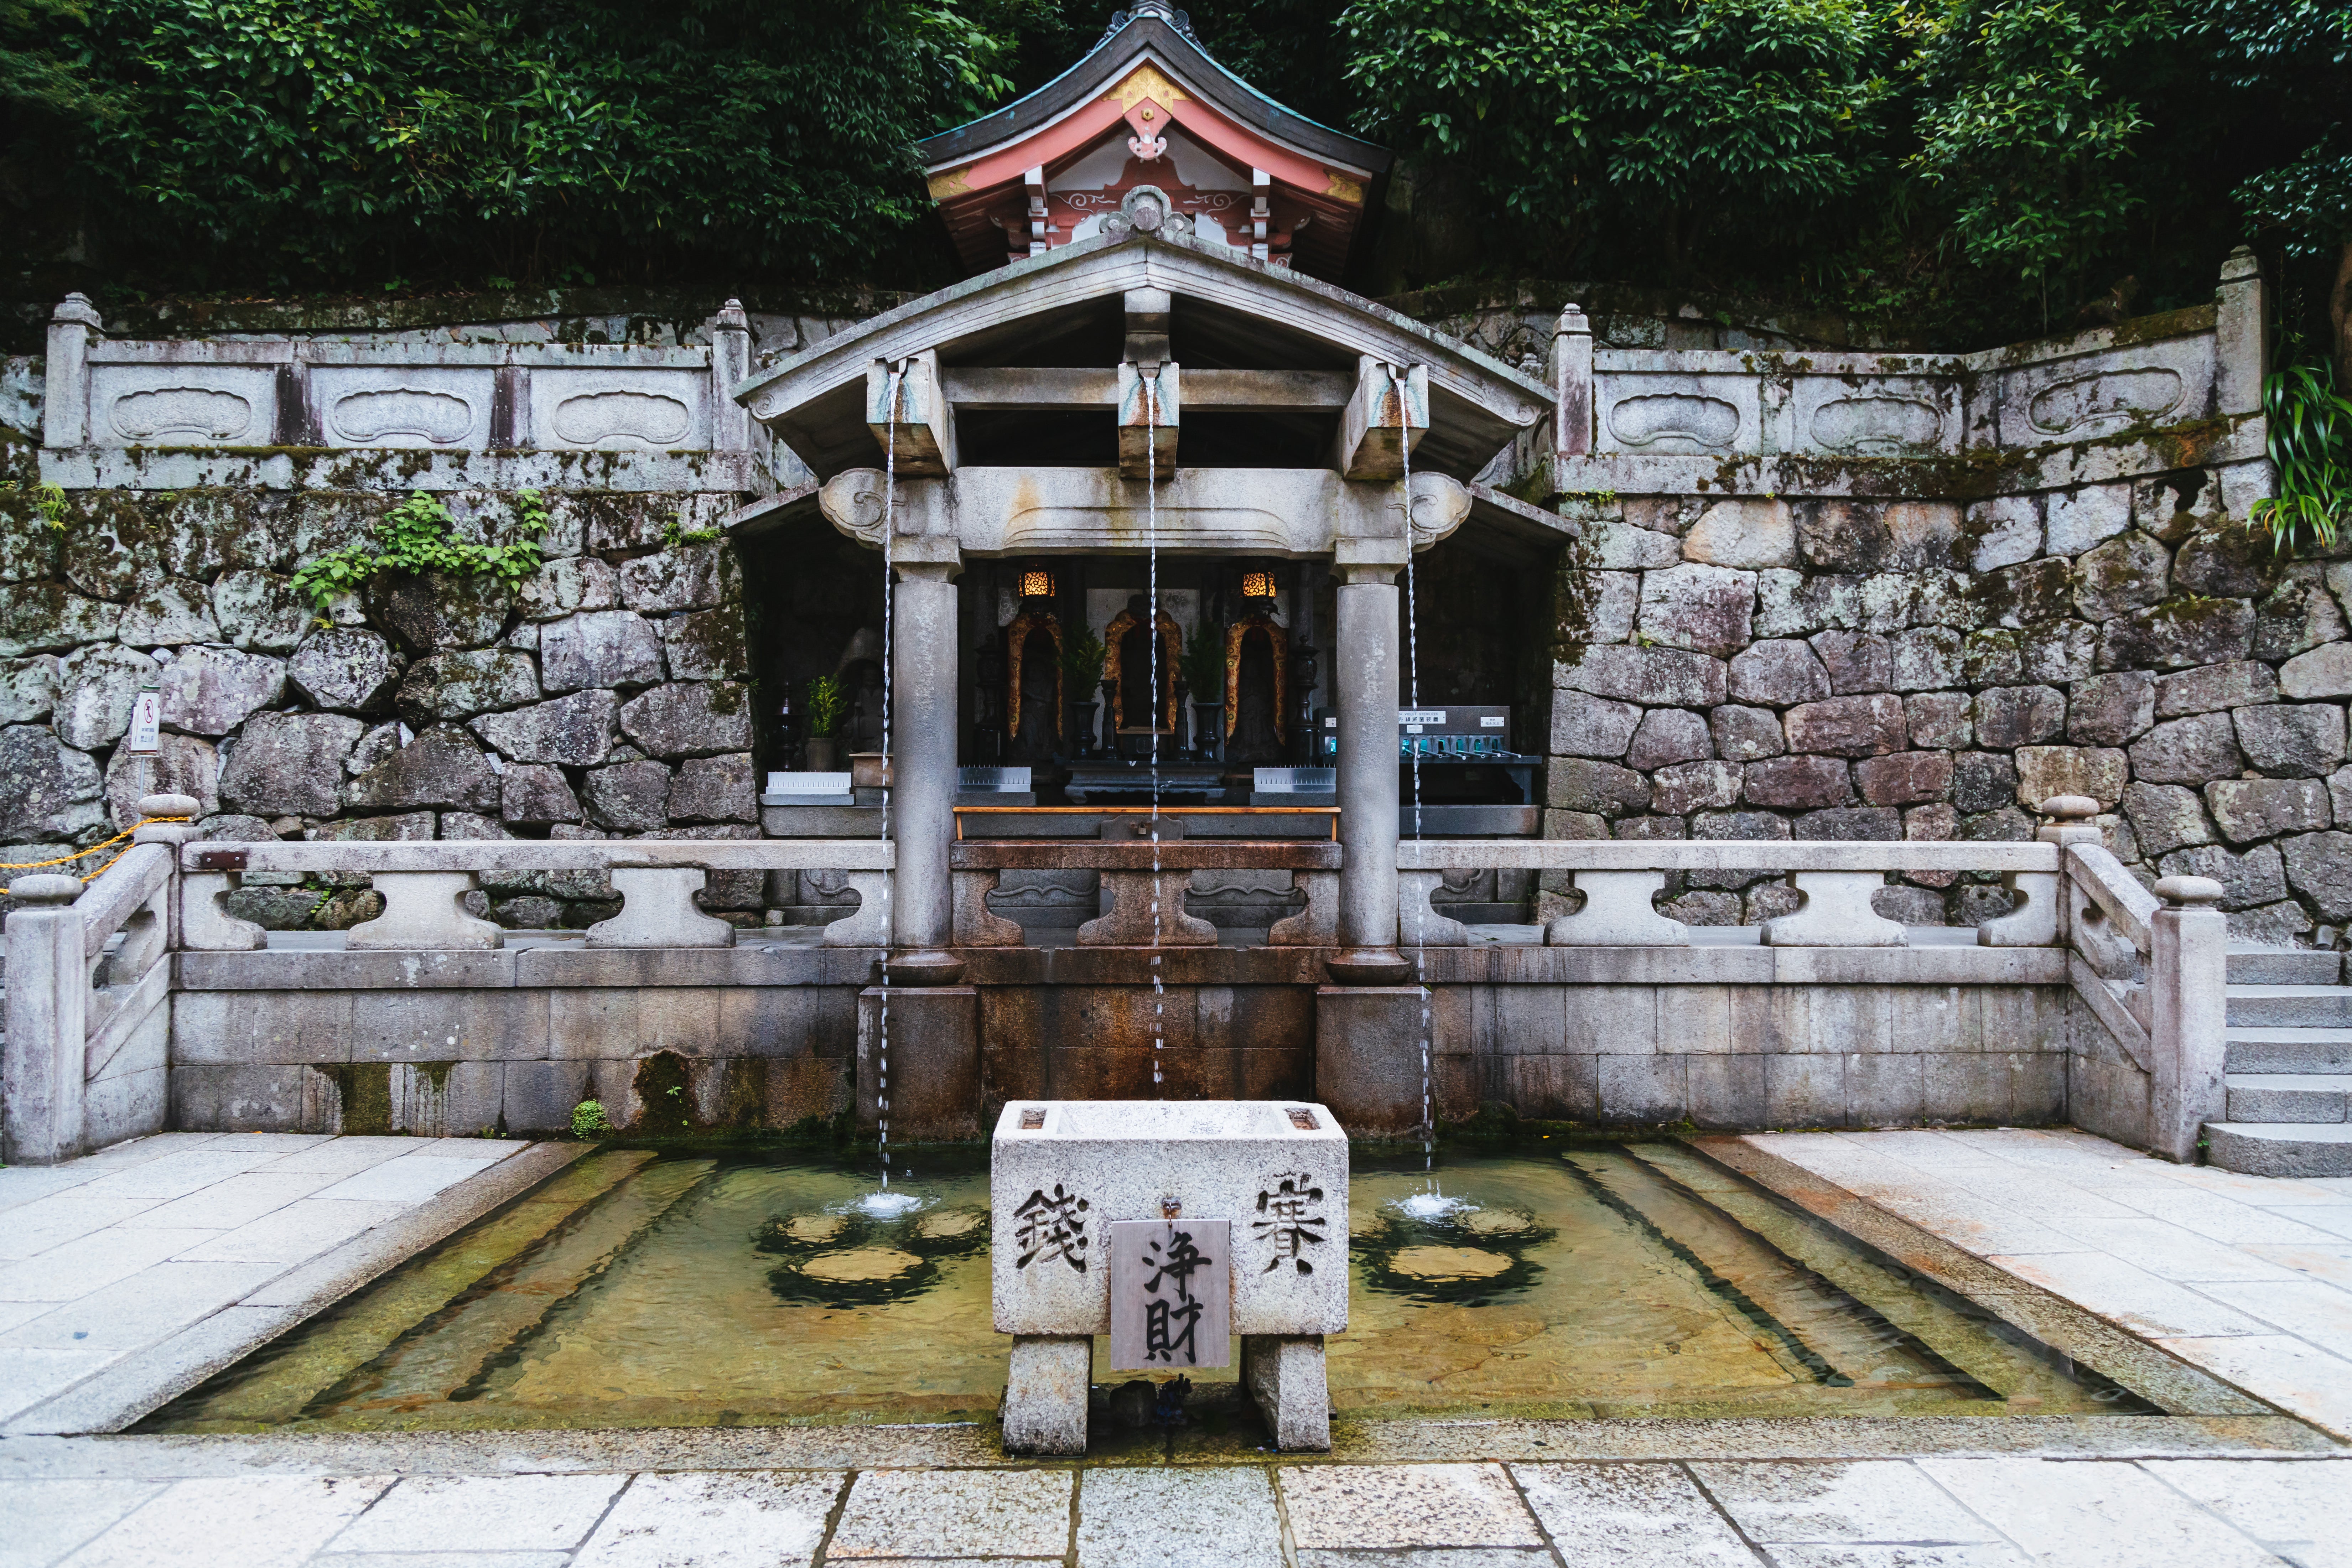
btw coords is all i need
(65, 403)
(171, 834)
(2241, 338)
(1571, 376)
(923, 773)
(730, 366)
(48, 1010)
(2188, 976)
(1364, 674)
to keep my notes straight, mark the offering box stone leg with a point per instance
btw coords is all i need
(1285, 1374)
(1046, 1392)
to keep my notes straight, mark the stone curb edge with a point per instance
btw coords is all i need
(114, 1398)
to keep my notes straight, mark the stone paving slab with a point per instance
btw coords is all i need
(131, 1274)
(2225, 1270)
(1978, 1511)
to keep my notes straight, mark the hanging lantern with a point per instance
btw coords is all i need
(1257, 585)
(1036, 583)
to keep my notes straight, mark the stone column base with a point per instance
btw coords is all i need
(934, 1054)
(1368, 1057)
(1284, 1374)
(1046, 1392)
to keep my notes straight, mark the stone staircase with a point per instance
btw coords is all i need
(2289, 1067)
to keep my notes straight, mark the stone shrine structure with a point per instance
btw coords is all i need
(1884, 737)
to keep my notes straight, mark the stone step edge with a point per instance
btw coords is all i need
(2283, 1149)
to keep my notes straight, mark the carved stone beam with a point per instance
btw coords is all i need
(1148, 409)
(1148, 313)
(921, 428)
(1032, 389)
(1387, 415)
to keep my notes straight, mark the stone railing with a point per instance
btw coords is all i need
(261, 411)
(1835, 880)
(1135, 873)
(89, 1018)
(1667, 420)
(2154, 969)
(2152, 966)
(424, 884)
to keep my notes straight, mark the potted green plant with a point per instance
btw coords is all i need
(826, 703)
(1202, 667)
(1082, 666)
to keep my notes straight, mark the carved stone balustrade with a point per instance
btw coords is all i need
(1836, 879)
(424, 884)
(1130, 872)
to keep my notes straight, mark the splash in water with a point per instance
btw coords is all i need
(1431, 1205)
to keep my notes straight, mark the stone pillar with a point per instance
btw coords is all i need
(730, 366)
(1571, 378)
(2188, 979)
(932, 1089)
(1364, 674)
(48, 1009)
(1046, 1394)
(65, 404)
(2240, 340)
(1285, 1374)
(1367, 1060)
(172, 835)
(923, 773)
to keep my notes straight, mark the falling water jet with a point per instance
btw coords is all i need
(1151, 640)
(1400, 377)
(884, 1197)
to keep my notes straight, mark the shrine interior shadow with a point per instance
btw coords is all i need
(643, 1288)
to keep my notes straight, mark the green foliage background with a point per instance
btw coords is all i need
(1969, 168)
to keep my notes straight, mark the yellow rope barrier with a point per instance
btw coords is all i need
(84, 854)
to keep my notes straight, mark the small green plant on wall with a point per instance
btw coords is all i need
(589, 1120)
(826, 702)
(2310, 442)
(417, 536)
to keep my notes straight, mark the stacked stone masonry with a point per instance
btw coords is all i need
(1852, 668)
(605, 695)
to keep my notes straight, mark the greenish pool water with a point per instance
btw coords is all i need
(680, 1289)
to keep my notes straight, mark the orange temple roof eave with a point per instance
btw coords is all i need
(1325, 249)
(1090, 124)
(1146, 36)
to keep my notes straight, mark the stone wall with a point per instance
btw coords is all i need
(604, 696)
(1845, 669)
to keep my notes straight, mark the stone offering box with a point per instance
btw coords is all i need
(1063, 1172)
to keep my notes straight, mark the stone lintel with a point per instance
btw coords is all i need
(1290, 513)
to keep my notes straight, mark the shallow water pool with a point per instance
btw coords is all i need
(675, 1289)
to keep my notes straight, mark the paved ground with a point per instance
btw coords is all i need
(1931, 1512)
(138, 1251)
(2249, 1278)
(153, 1258)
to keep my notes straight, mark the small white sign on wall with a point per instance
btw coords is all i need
(145, 738)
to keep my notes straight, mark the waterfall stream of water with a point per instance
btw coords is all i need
(1400, 377)
(1151, 636)
(889, 519)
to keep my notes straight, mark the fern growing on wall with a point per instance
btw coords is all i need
(418, 536)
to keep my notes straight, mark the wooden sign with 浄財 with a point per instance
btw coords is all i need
(1172, 1294)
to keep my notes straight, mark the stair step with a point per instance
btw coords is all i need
(2281, 1148)
(2290, 1006)
(2288, 1096)
(2266, 1050)
(2285, 967)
